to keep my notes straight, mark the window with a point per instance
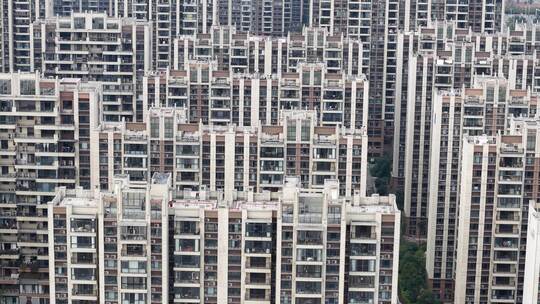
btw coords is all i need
(133, 267)
(28, 87)
(169, 127)
(306, 126)
(154, 127)
(134, 282)
(133, 298)
(291, 130)
(531, 142)
(5, 87)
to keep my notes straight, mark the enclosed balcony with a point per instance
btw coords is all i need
(186, 227)
(186, 261)
(133, 233)
(271, 152)
(308, 271)
(271, 165)
(362, 265)
(83, 274)
(506, 243)
(363, 232)
(363, 249)
(257, 262)
(309, 237)
(83, 258)
(84, 290)
(508, 215)
(87, 242)
(134, 250)
(504, 269)
(190, 277)
(503, 294)
(511, 162)
(257, 278)
(258, 294)
(505, 189)
(258, 247)
(187, 150)
(138, 267)
(503, 256)
(361, 297)
(83, 225)
(361, 281)
(258, 230)
(187, 245)
(309, 255)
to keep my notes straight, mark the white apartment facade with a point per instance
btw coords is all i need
(96, 48)
(245, 247)
(230, 157)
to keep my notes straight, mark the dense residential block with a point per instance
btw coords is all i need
(197, 151)
(499, 178)
(221, 97)
(485, 109)
(229, 157)
(44, 143)
(149, 243)
(95, 48)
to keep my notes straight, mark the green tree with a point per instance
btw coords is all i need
(413, 287)
(381, 170)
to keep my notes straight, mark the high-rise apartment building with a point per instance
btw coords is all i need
(44, 142)
(442, 57)
(94, 47)
(109, 246)
(242, 52)
(16, 18)
(499, 178)
(480, 16)
(230, 157)
(150, 244)
(219, 97)
(510, 54)
(484, 109)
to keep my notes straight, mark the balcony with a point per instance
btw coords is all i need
(308, 271)
(506, 243)
(258, 247)
(186, 228)
(187, 245)
(309, 255)
(308, 237)
(308, 288)
(133, 233)
(83, 225)
(134, 250)
(84, 290)
(363, 233)
(263, 230)
(186, 261)
(364, 249)
(257, 279)
(257, 295)
(83, 258)
(187, 293)
(511, 162)
(257, 262)
(190, 277)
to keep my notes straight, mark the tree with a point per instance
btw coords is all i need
(413, 287)
(381, 170)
